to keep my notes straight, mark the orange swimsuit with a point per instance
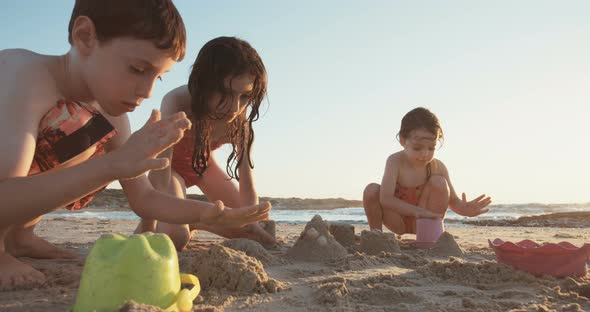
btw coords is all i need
(182, 159)
(68, 129)
(410, 195)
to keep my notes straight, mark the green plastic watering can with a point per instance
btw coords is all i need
(142, 268)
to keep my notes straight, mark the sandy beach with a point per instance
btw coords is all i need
(404, 279)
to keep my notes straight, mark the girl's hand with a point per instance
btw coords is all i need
(474, 207)
(138, 154)
(219, 215)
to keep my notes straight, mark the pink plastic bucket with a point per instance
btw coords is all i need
(559, 260)
(429, 230)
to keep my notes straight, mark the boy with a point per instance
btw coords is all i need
(70, 135)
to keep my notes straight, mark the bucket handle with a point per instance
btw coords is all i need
(184, 299)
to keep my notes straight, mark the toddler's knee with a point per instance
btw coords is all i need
(438, 184)
(372, 191)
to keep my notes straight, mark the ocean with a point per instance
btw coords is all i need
(357, 215)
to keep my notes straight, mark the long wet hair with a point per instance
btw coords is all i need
(218, 59)
(421, 118)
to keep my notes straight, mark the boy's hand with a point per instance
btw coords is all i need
(138, 154)
(219, 215)
(472, 208)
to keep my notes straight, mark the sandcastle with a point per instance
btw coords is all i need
(343, 233)
(374, 242)
(225, 268)
(447, 246)
(316, 243)
(252, 249)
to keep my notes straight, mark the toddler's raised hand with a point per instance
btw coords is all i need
(474, 207)
(138, 154)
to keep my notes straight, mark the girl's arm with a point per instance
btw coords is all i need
(461, 206)
(149, 203)
(248, 195)
(387, 193)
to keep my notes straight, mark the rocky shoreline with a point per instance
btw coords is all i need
(114, 199)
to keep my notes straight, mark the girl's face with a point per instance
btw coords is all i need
(419, 146)
(235, 98)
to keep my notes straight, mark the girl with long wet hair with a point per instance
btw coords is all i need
(225, 89)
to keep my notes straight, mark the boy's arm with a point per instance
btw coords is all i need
(387, 193)
(149, 203)
(22, 197)
(160, 179)
(144, 200)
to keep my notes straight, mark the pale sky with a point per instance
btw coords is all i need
(509, 81)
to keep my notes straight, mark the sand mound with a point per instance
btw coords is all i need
(359, 261)
(447, 246)
(378, 290)
(410, 261)
(133, 306)
(222, 267)
(343, 233)
(252, 249)
(484, 274)
(374, 242)
(581, 286)
(316, 243)
(332, 291)
(383, 278)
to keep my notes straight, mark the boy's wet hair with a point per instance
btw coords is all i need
(420, 118)
(217, 60)
(154, 20)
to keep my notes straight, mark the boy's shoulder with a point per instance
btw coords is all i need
(23, 72)
(19, 61)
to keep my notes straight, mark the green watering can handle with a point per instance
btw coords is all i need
(184, 300)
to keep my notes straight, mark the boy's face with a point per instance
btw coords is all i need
(420, 146)
(121, 73)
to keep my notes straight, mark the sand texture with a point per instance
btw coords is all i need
(307, 273)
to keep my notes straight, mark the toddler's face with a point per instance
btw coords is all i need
(420, 146)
